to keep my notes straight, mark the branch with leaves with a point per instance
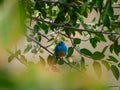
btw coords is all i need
(71, 28)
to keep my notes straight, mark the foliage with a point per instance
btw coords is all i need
(65, 18)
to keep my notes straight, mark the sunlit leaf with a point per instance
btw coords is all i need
(23, 59)
(106, 64)
(82, 61)
(97, 68)
(10, 58)
(51, 60)
(42, 61)
(18, 52)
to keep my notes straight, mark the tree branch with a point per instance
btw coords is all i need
(72, 28)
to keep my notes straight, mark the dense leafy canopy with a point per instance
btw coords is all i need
(66, 19)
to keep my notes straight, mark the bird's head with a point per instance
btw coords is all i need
(61, 43)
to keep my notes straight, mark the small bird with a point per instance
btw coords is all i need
(60, 50)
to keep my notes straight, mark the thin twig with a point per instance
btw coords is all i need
(55, 31)
(38, 32)
(53, 41)
(39, 44)
(73, 38)
(72, 28)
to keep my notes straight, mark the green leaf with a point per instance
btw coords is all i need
(61, 62)
(76, 41)
(119, 65)
(111, 48)
(98, 55)
(109, 10)
(93, 42)
(86, 52)
(115, 1)
(82, 62)
(34, 51)
(116, 48)
(63, 1)
(101, 37)
(83, 8)
(10, 58)
(38, 38)
(18, 52)
(44, 27)
(23, 59)
(86, 26)
(115, 71)
(70, 51)
(80, 17)
(106, 64)
(104, 49)
(36, 28)
(51, 60)
(41, 50)
(113, 59)
(115, 17)
(94, 19)
(112, 37)
(29, 46)
(106, 20)
(42, 61)
(99, 2)
(97, 68)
